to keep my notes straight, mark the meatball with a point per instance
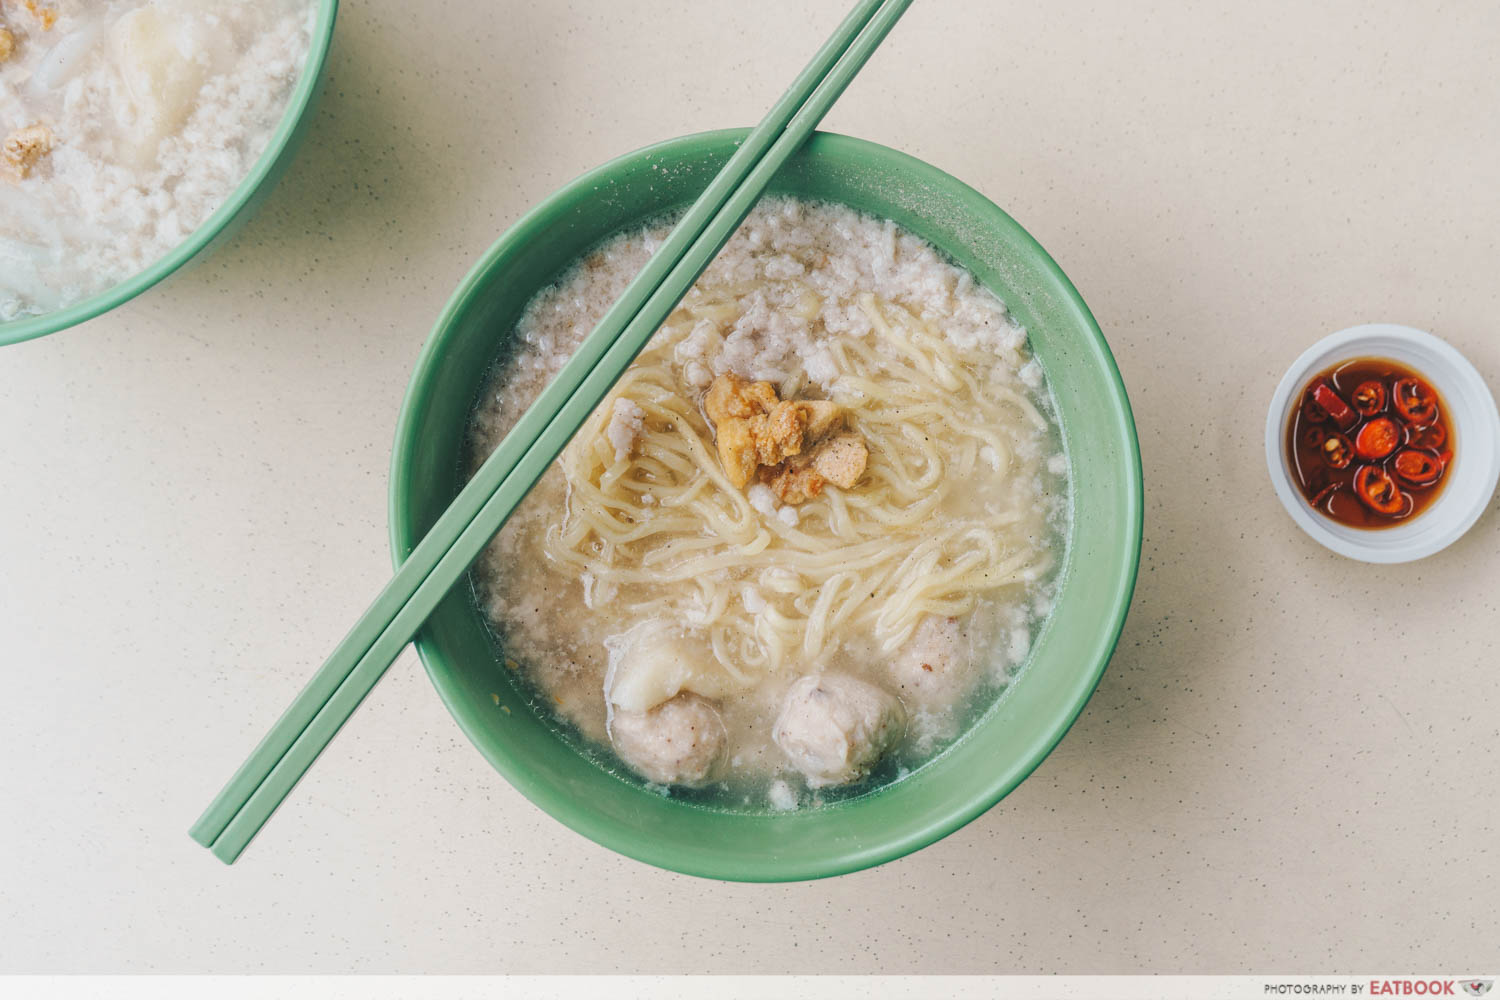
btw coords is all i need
(933, 669)
(675, 743)
(833, 727)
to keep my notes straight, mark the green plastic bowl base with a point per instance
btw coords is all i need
(1008, 741)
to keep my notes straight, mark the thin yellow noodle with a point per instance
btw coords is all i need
(662, 533)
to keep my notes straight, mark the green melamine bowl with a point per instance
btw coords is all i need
(1005, 743)
(230, 216)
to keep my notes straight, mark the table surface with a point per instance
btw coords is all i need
(1291, 763)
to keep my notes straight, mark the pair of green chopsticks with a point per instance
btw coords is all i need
(463, 530)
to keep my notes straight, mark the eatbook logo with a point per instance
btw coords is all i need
(1477, 987)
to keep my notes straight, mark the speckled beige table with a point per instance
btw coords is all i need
(1291, 763)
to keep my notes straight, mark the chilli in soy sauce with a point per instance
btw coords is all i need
(1370, 443)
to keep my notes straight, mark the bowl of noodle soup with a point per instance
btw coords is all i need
(962, 481)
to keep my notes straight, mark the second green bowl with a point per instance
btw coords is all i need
(227, 219)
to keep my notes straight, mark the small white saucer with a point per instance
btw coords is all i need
(1471, 416)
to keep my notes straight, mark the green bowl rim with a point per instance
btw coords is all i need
(560, 806)
(31, 327)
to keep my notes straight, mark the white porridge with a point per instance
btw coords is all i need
(125, 124)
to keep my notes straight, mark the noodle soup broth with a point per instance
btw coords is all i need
(807, 538)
